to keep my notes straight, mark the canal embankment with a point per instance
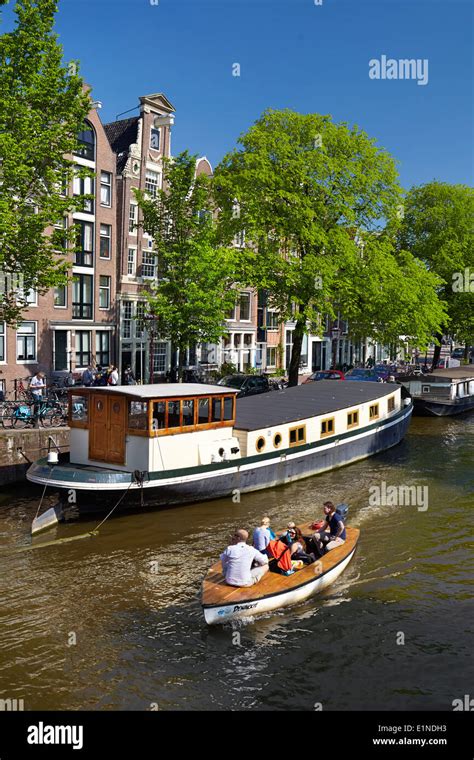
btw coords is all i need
(18, 448)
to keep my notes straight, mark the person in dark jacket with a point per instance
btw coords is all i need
(333, 531)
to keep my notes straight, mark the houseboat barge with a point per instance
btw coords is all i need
(444, 392)
(161, 445)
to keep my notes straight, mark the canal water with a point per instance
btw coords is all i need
(115, 623)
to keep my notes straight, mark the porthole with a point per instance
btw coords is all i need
(277, 439)
(260, 445)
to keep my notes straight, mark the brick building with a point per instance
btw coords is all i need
(74, 325)
(140, 143)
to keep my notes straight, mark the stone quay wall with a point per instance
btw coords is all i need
(15, 445)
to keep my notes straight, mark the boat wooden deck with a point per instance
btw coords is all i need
(215, 591)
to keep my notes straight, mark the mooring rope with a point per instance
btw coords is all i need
(96, 530)
(57, 541)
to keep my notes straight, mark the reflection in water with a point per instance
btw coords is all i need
(131, 599)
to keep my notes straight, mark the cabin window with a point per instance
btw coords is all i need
(138, 415)
(373, 412)
(297, 435)
(216, 409)
(228, 408)
(203, 411)
(159, 415)
(327, 427)
(260, 445)
(352, 419)
(391, 404)
(78, 411)
(277, 440)
(174, 417)
(188, 412)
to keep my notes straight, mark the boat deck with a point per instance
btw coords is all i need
(216, 592)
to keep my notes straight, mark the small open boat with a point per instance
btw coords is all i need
(222, 603)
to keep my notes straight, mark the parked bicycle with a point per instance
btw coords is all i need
(47, 412)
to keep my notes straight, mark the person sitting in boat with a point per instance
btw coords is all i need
(237, 561)
(263, 535)
(294, 539)
(333, 531)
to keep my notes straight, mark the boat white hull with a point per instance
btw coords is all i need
(228, 612)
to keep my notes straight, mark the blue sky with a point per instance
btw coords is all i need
(292, 54)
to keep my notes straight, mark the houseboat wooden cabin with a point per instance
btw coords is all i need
(178, 443)
(444, 392)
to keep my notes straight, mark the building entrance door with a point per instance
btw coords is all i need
(107, 428)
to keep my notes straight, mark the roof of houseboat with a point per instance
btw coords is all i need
(161, 390)
(304, 401)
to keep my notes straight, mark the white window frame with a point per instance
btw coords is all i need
(59, 306)
(89, 351)
(105, 237)
(132, 262)
(152, 187)
(19, 333)
(146, 262)
(133, 218)
(271, 349)
(105, 184)
(245, 293)
(107, 289)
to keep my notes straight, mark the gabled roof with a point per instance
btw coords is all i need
(158, 98)
(121, 134)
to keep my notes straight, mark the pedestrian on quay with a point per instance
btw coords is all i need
(113, 376)
(88, 377)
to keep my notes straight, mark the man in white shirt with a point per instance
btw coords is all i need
(237, 562)
(36, 386)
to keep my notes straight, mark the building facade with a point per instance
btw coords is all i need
(73, 326)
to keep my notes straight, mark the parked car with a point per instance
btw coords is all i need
(324, 374)
(458, 353)
(249, 385)
(367, 375)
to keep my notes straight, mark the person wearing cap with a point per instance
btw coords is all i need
(333, 531)
(237, 561)
(263, 535)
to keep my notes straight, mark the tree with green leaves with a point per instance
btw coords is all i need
(194, 289)
(42, 109)
(307, 192)
(437, 228)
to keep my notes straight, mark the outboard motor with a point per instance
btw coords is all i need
(343, 511)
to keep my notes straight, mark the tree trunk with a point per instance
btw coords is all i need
(437, 352)
(298, 334)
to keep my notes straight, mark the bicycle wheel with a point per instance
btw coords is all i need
(20, 420)
(5, 416)
(51, 418)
